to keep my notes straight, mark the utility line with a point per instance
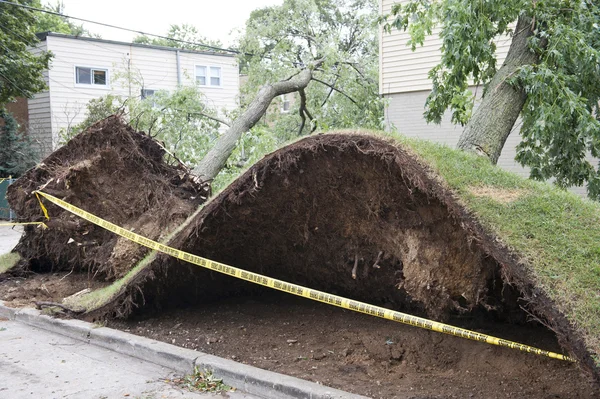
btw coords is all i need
(121, 28)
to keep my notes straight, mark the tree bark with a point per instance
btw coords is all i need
(216, 158)
(493, 120)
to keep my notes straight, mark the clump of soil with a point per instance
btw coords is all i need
(115, 173)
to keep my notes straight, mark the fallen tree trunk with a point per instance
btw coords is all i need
(212, 163)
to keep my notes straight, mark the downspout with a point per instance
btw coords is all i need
(178, 67)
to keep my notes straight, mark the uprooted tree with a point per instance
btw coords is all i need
(550, 78)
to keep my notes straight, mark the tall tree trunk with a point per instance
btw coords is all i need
(493, 120)
(216, 158)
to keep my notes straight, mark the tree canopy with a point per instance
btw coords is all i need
(20, 69)
(556, 73)
(47, 22)
(183, 36)
(342, 36)
(324, 50)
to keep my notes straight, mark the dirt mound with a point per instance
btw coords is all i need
(116, 173)
(357, 216)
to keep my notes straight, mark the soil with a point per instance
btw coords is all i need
(16, 291)
(366, 355)
(116, 173)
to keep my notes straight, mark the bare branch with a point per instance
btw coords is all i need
(336, 89)
(221, 121)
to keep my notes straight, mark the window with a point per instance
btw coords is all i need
(91, 76)
(201, 75)
(147, 93)
(208, 76)
(215, 76)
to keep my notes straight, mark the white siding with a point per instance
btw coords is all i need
(401, 69)
(40, 120)
(152, 68)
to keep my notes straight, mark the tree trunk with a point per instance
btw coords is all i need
(216, 158)
(493, 120)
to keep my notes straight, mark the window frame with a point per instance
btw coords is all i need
(208, 76)
(144, 93)
(92, 70)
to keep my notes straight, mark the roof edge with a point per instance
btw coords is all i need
(42, 36)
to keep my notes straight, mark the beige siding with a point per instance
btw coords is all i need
(405, 114)
(151, 68)
(40, 120)
(401, 69)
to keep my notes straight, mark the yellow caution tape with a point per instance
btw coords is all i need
(299, 290)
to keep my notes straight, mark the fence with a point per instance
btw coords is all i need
(5, 212)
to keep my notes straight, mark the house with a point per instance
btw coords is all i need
(403, 81)
(84, 68)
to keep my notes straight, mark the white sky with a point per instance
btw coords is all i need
(214, 19)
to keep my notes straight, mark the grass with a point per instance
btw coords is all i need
(202, 381)
(8, 261)
(555, 232)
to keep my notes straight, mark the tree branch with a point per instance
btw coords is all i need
(221, 121)
(336, 89)
(217, 156)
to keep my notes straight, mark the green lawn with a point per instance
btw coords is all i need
(555, 232)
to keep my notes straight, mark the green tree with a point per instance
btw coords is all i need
(55, 23)
(16, 151)
(20, 69)
(326, 51)
(183, 36)
(551, 79)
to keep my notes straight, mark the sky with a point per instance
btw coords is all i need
(214, 19)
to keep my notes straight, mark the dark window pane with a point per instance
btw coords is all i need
(84, 76)
(100, 77)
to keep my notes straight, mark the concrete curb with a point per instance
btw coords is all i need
(246, 378)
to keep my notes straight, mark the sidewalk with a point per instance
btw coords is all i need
(9, 237)
(40, 364)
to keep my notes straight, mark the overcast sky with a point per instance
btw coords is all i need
(214, 19)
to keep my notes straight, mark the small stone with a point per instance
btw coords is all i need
(292, 341)
(211, 340)
(319, 356)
